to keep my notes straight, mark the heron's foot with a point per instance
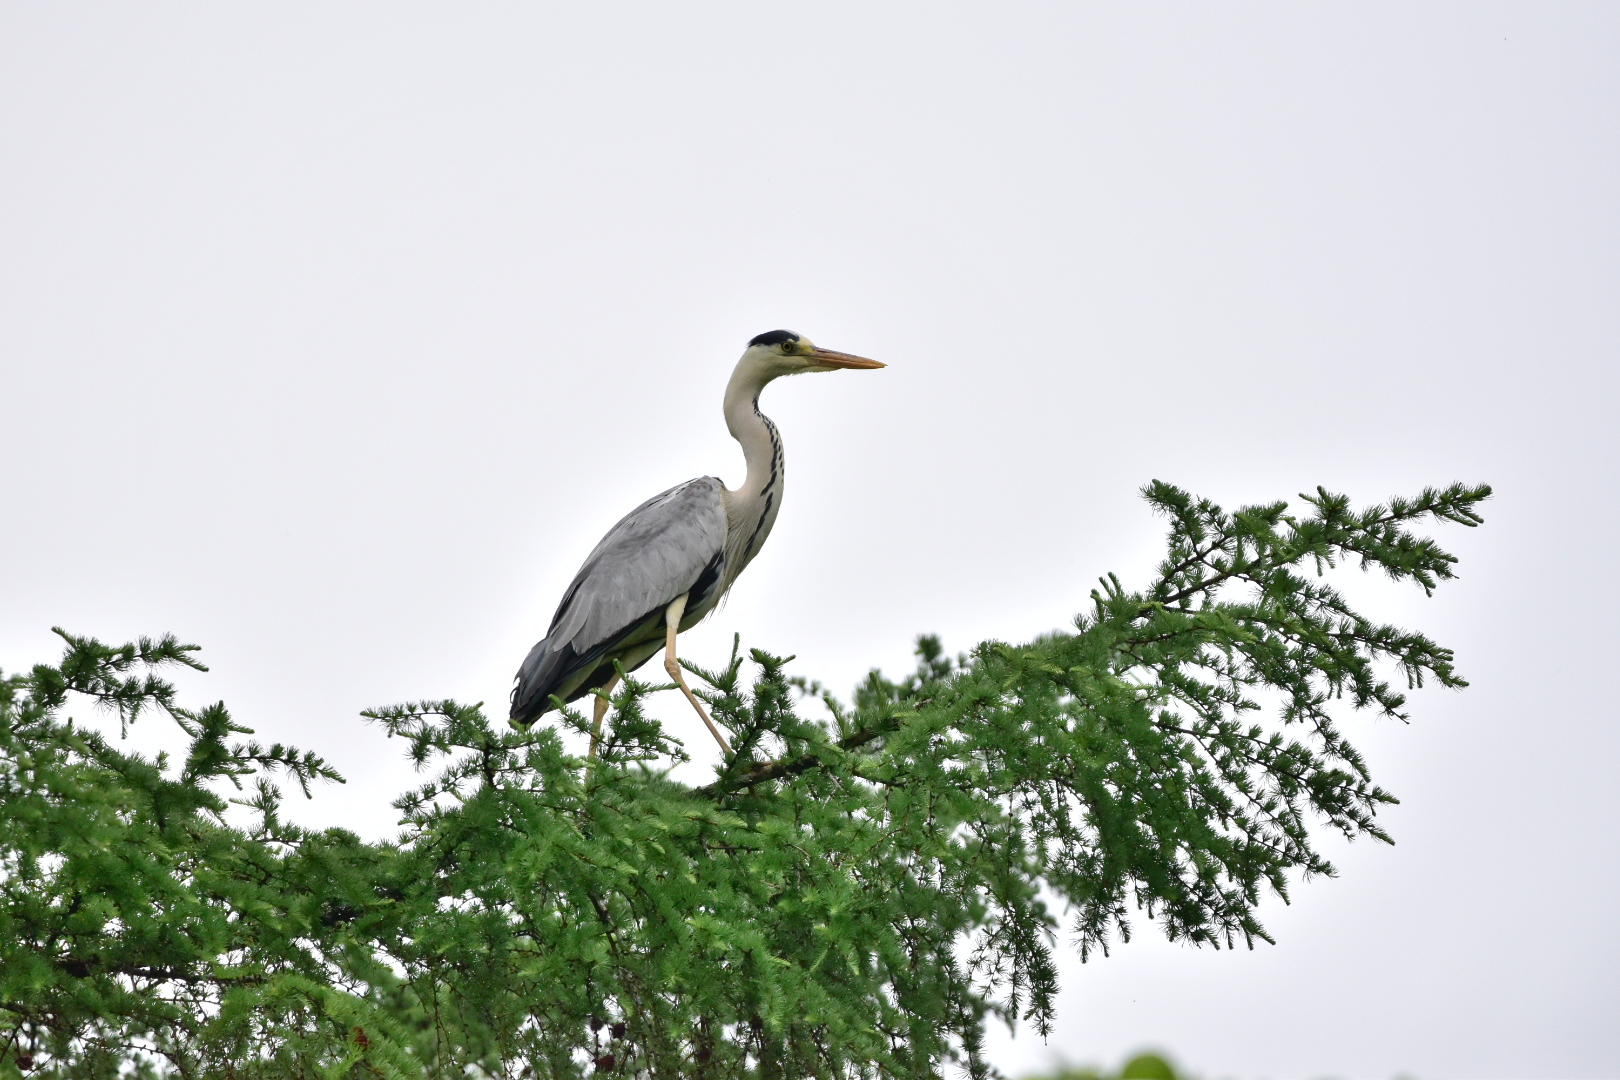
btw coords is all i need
(673, 666)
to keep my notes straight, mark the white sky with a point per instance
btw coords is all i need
(332, 337)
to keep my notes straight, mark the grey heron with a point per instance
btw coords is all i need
(667, 564)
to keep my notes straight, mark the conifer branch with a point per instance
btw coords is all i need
(855, 898)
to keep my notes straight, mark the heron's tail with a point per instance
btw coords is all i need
(534, 684)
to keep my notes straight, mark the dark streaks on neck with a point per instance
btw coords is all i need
(769, 490)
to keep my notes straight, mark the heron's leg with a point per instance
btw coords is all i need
(672, 620)
(601, 710)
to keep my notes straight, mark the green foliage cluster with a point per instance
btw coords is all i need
(1147, 1066)
(852, 896)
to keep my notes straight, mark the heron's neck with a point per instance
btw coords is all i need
(761, 444)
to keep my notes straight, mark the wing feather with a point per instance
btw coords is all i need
(670, 544)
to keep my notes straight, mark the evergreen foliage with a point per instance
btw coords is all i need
(855, 896)
(1147, 1066)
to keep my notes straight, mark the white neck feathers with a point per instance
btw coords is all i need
(751, 508)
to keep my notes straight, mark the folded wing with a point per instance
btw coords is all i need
(671, 544)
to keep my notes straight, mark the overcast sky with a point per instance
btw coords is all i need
(333, 336)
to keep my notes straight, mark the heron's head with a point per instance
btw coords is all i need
(782, 352)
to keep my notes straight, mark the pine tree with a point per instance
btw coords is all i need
(857, 896)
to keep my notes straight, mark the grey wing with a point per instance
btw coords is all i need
(671, 544)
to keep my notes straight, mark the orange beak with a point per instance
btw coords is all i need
(843, 359)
